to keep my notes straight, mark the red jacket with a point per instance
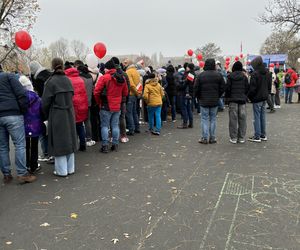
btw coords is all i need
(114, 91)
(294, 78)
(80, 99)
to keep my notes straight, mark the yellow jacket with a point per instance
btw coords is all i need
(153, 93)
(134, 79)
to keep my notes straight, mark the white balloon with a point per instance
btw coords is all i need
(91, 61)
(298, 60)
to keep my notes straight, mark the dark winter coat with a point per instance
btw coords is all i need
(39, 80)
(189, 78)
(171, 89)
(114, 91)
(33, 118)
(58, 107)
(181, 86)
(13, 98)
(260, 82)
(237, 87)
(80, 99)
(209, 86)
(88, 81)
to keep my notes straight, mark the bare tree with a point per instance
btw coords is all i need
(209, 50)
(60, 48)
(283, 42)
(282, 14)
(15, 15)
(79, 49)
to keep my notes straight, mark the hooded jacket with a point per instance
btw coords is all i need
(237, 87)
(294, 78)
(153, 93)
(210, 85)
(171, 89)
(260, 82)
(13, 98)
(80, 99)
(88, 81)
(115, 91)
(134, 79)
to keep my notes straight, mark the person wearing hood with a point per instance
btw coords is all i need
(274, 86)
(80, 102)
(39, 76)
(110, 90)
(171, 90)
(134, 93)
(186, 96)
(260, 87)
(89, 87)
(153, 95)
(209, 88)
(290, 80)
(237, 88)
(57, 105)
(33, 125)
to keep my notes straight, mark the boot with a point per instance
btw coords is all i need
(183, 126)
(114, 147)
(104, 149)
(191, 125)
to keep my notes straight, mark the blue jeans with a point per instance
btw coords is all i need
(221, 103)
(259, 113)
(289, 95)
(154, 111)
(13, 126)
(131, 114)
(186, 109)
(65, 164)
(110, 120)
(208, 122)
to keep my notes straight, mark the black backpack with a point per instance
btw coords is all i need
(287, 79)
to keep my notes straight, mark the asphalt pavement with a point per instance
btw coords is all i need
(166, 192)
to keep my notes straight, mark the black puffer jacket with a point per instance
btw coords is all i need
(171, 89)
(260, 82)
(13, 98)
(38, 81)
(237, 87)
(209, 85)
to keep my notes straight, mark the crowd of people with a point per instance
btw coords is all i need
(74, 106)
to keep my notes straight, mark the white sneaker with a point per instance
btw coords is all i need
(233, 141)
(277, 106)
(90, 143)
(241, 141)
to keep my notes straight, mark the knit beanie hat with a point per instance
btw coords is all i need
(34, 67)
(26, 83)
(237, 66)
(115, 60)
(110, 65)
(191, 66)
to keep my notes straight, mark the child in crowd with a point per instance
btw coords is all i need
(153, 95)
(33, 125)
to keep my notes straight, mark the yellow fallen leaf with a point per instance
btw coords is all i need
(74, 215)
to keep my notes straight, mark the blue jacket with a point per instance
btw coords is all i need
(13, 98)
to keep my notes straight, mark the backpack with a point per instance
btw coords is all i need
(287, 79)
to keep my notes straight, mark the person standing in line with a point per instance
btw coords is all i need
(80, 102)
(57, 105)
(33, 126)
(290, 80)
(13, 104)
(171, 90)
(109, 92)
(260, 84)
(153, 96)
(209, 88)
(237, 88)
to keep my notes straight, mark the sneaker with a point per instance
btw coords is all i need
(56, 174)
(277, 106)
(51, 160)
(36, 170)
(90, 143)
(254, 139)
(212, 141)
(241, 141)
(174, 120)
(263, 138)
(124, 139)
(114, 147)
(28, 178)
(272, 111)
(155, 132)
(233, 141)
(104, 149)
(7, 179)
(43, 158)
(203, 141)
(183, 126)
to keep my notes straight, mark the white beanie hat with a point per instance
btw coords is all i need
(26, 83)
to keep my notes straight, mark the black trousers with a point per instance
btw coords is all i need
(32, 153)
(95, 123)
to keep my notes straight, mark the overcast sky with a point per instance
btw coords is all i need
(169, 26)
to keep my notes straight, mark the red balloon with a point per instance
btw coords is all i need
(227, 62)
(100, 50)
(236, 58)
(201, 64)
(241, 55)
(190, 52)
(199, 57)
(228, 59)
(23, 40)
(271, 65)
(226, 66)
